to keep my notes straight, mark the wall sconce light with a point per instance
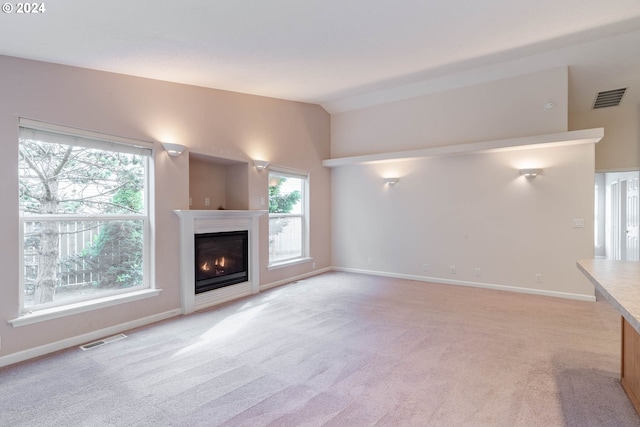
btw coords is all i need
(174, 150)
(391, 181)
(530, 173)
(261, 165)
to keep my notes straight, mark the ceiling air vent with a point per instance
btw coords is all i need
(609, 98)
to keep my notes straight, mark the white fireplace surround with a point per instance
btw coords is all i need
(194, 222)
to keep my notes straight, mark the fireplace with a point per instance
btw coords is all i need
(212, 222)
(221, 259)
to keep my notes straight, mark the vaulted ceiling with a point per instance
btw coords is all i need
(341, 54)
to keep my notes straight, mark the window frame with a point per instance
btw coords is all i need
(68, 135)
(304, 176)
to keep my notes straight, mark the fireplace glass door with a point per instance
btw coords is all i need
(221, 259)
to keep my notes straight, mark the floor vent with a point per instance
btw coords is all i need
(102, 342)
(609, 98)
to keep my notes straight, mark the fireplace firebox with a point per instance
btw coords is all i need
(221, 259)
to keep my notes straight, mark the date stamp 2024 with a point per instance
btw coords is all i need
(23, 8)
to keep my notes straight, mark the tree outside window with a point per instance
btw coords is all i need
(83, 213)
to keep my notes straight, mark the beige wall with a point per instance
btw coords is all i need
(209, 122)
(207, 180)
(619, 150)
(471, 211)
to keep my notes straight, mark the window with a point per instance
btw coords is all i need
(84, 213)
(288, 228)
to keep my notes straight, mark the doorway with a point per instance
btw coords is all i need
(617, 208)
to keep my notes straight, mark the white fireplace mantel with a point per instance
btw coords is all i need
(213, 221)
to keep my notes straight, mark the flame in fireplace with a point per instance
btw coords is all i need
(218, 265)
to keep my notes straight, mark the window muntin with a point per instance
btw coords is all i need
(288, 223)
(83, 203)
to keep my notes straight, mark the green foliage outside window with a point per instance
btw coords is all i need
(115, 254)
(281, 203)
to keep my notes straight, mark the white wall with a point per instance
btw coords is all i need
(469, 211)
(507, 108)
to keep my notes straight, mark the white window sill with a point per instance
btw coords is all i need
(81, 307)
(289, 263)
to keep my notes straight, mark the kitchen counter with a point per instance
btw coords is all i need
(619, 283)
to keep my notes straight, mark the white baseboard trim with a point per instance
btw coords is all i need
(293, 279)
(84, 338)
(543, 292)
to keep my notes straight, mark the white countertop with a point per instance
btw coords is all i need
(619, 283)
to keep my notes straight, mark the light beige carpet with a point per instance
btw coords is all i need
(342, 350)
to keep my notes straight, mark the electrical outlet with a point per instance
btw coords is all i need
(425, 267)
(578, 223)
(477, 272)
(452, 269)
(313, 265)
(538, 278)
(207, 201)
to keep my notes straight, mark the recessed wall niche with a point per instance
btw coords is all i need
(216, 183)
